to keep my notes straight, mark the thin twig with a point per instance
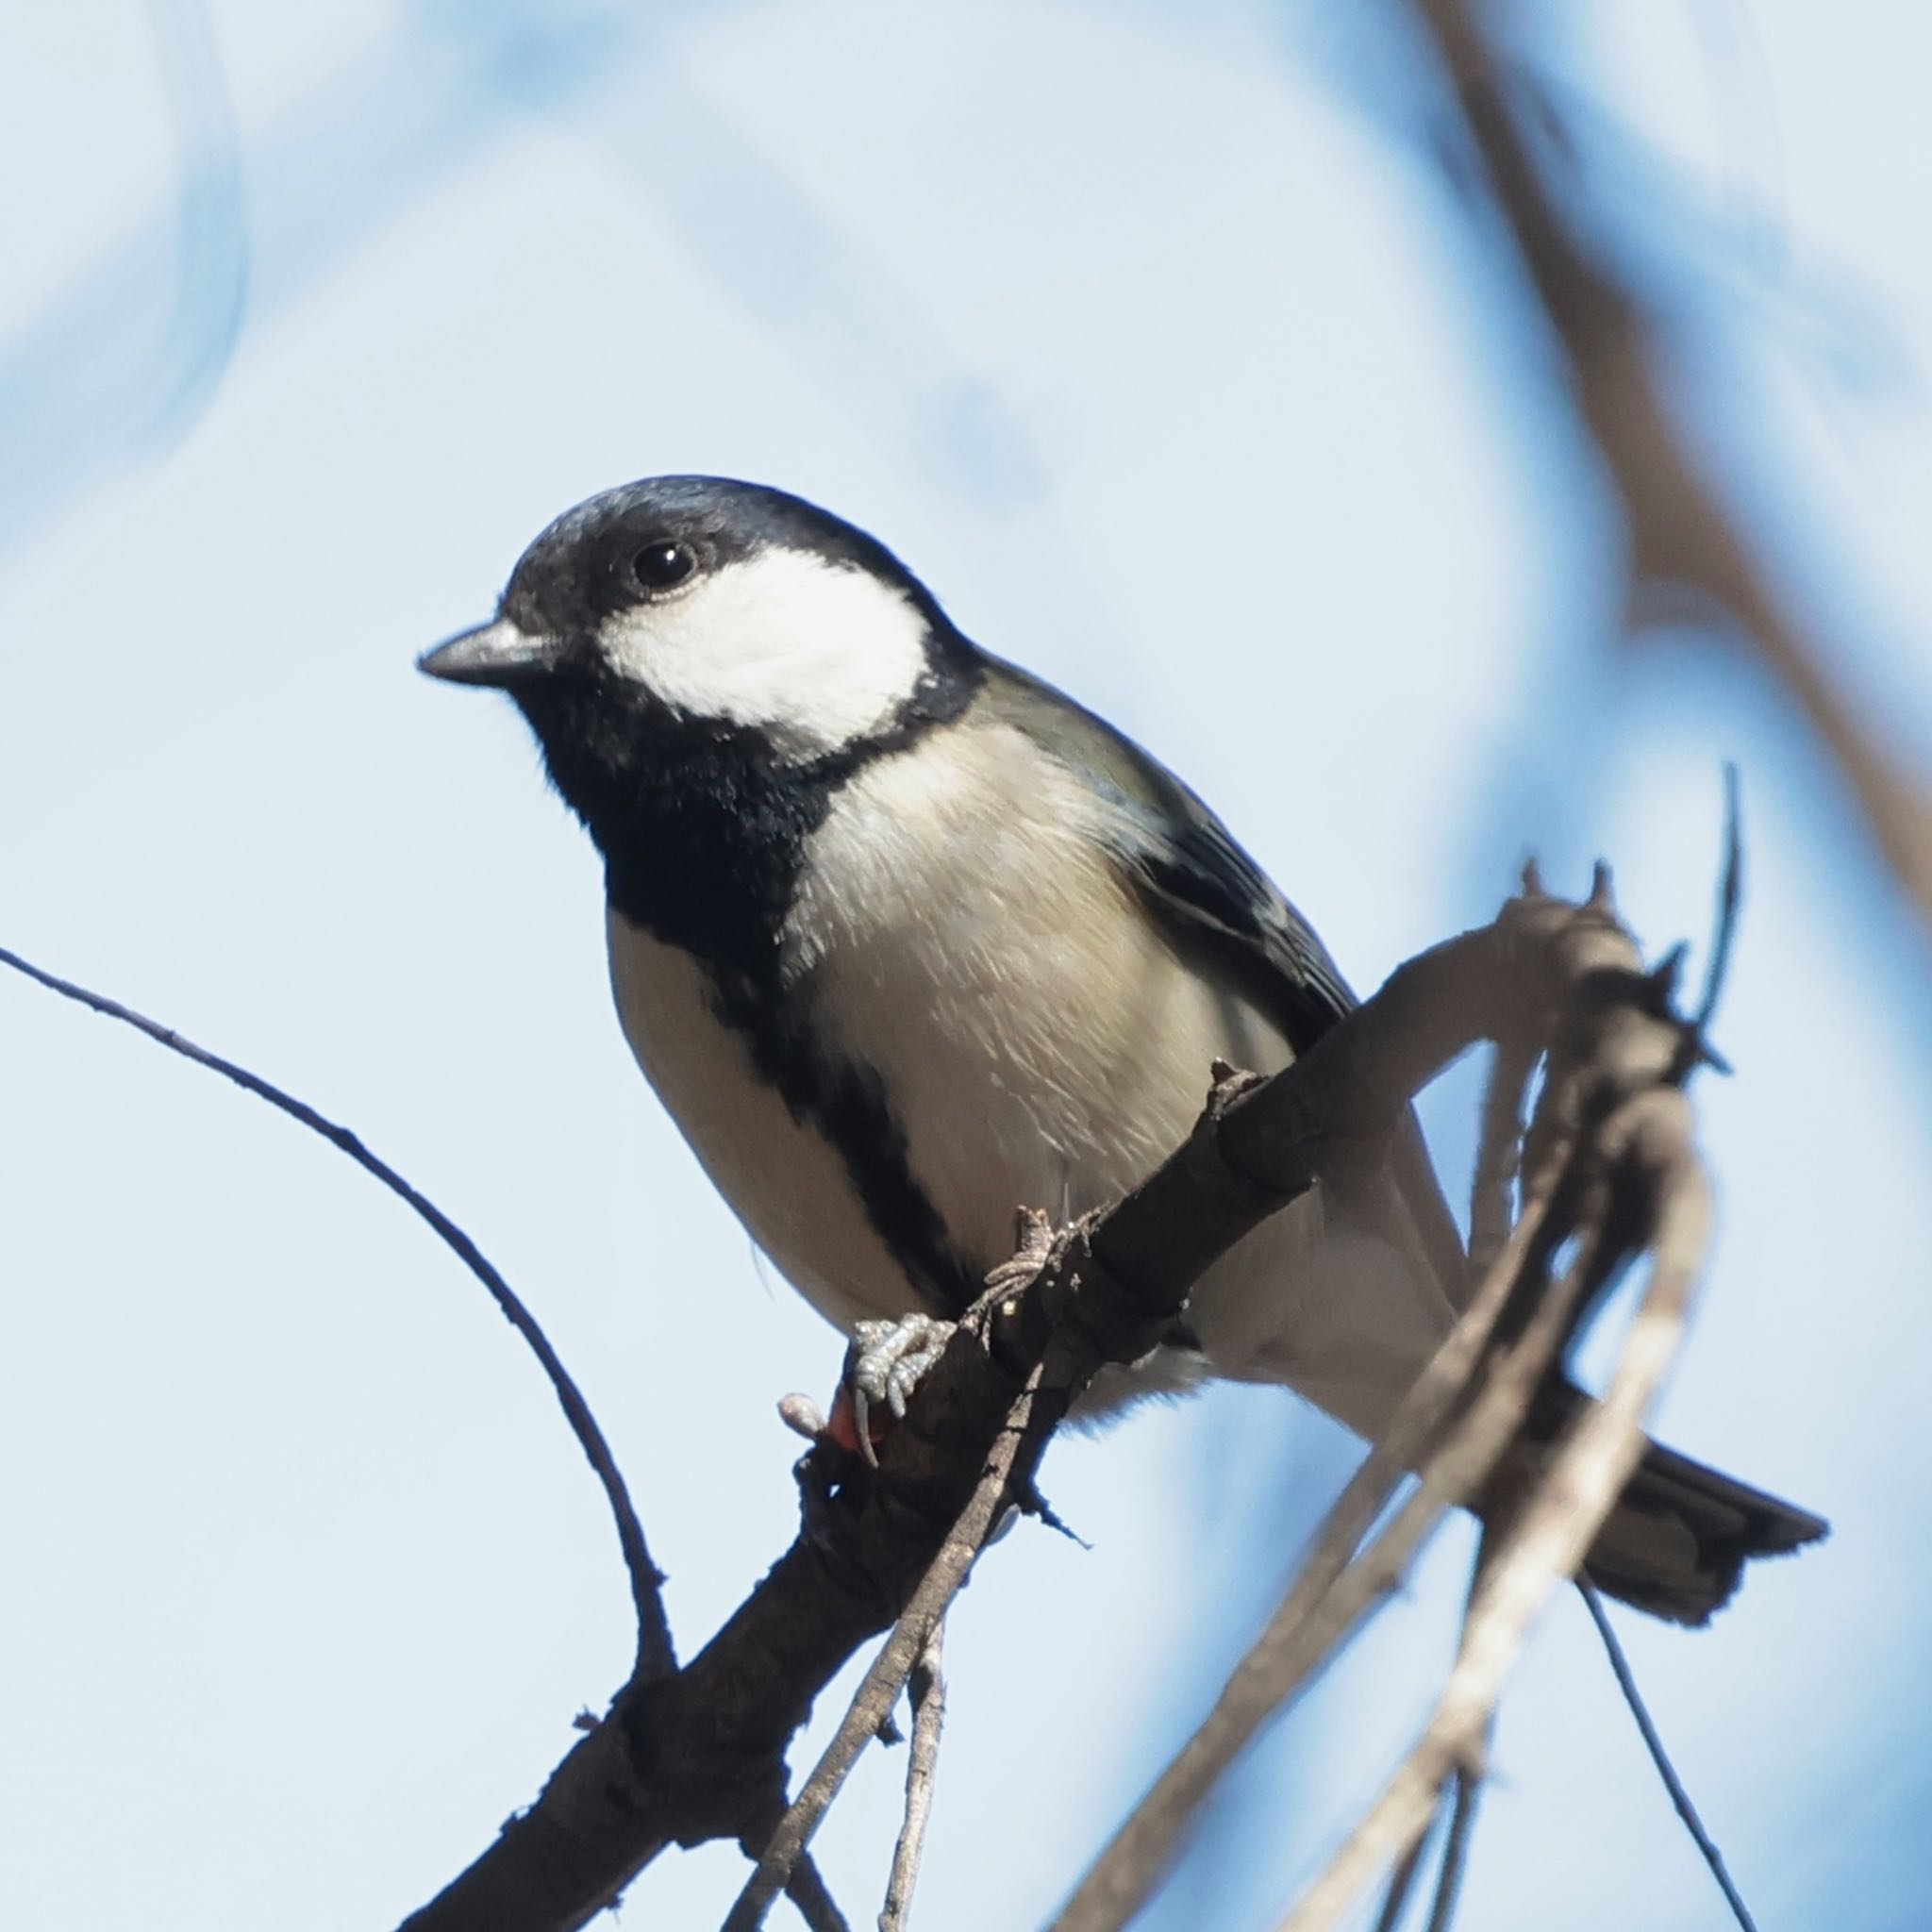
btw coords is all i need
(1334, 1586)
(1654, 1743)
(927, 1690)
(1548, 1537)
(1492, 1206)
(1730, 899)
(1465, 1781)
(655, 1655)
(1401, 1880)
(878, 1690)
(808, 1890)
(1464, 1787)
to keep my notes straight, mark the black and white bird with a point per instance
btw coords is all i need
(905, 939)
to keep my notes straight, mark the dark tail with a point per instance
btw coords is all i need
(1678, 1539)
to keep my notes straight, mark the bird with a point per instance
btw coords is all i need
(905, 939)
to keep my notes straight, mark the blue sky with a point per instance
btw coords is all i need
(1159, 344)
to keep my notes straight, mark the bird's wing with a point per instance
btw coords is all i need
(1211, 897)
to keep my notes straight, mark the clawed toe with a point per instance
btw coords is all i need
(884, 1365)
(1033, 1237)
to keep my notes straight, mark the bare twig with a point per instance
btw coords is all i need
(655, 1655)
(1457, 1471)
(1730, 899)
(878, 1690)
(1654, 1743)
(927, 1690)
(1333, 1587)
(1681, 535)
(1649, 1136)
(1465, 1782)
(1465, 1786)
(1492, 1204)
(1401, 1884)
(808, 1890)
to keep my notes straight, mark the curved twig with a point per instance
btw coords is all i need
(1730, 899)
(655, 1655)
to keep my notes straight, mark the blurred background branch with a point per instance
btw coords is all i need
(1683, 538)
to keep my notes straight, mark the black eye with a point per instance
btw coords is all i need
(662, 566)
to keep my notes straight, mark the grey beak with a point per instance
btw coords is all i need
(498, 653)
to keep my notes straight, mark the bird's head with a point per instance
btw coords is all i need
(698, 603)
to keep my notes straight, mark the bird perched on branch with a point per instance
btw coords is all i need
(905, 939)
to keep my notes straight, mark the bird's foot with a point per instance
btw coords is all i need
(1032, 1250)
(885, 1360)
(882, 1368)
(884, 1364)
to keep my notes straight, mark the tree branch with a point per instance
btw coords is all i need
(913, 1636)
(701, 1754)
(698, 1753)
(1681, 535)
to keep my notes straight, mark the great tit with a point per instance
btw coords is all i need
(906, 939)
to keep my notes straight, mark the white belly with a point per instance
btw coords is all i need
(782, 1179)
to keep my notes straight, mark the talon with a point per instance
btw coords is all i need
(862, 1428)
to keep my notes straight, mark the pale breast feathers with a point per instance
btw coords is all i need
(963, 929)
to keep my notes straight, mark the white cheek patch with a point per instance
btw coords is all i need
(816, 654)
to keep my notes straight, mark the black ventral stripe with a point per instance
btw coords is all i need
(847, 1105)
(703, 828)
